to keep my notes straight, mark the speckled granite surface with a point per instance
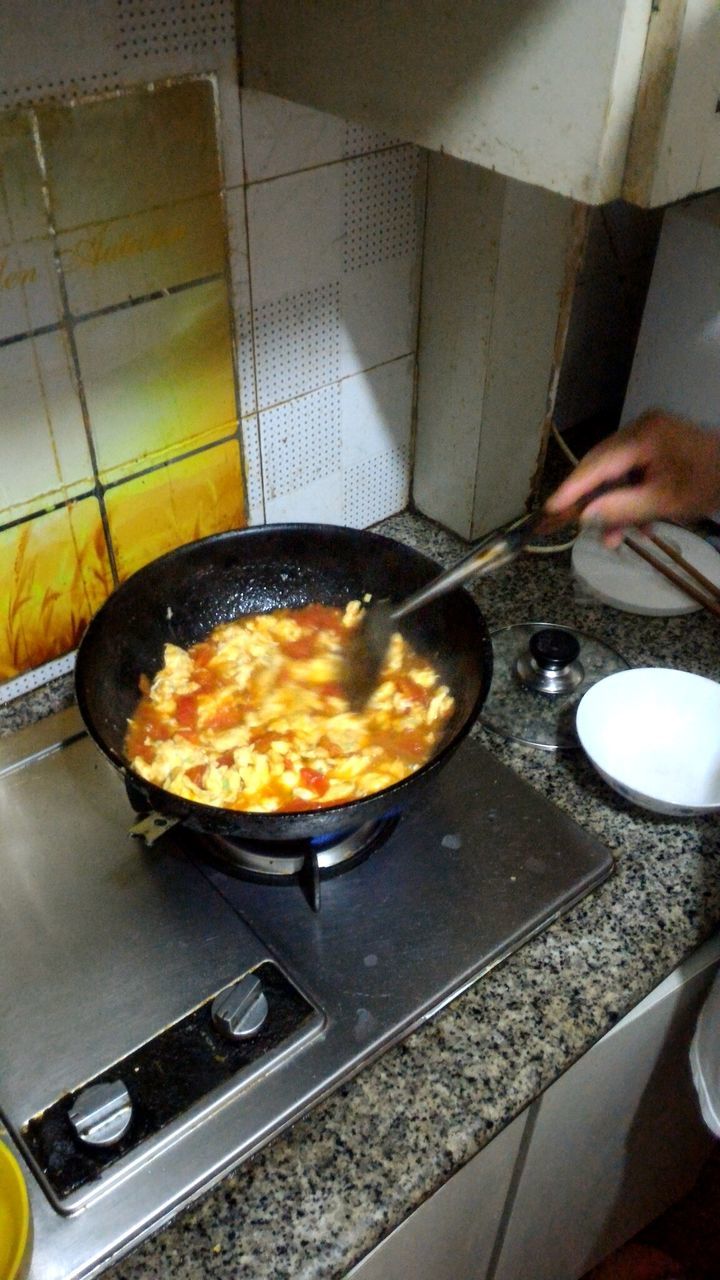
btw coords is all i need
(322, 1195)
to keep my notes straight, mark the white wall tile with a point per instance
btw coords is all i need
(301, 442)
(341, 454)
(231, 137)
(100, 44)
(334, 270)
(376, 411)
(360, 138)
(376, 442)
(296, 233)
(250, 435)
(297, 343)
(380, 207)
(376, 488)
(321, 502)
(378, 313)
(240, 296)
(281, 137)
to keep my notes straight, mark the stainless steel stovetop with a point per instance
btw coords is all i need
(139, 1061)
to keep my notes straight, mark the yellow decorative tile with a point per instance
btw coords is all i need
(29, 295)
(158, 378)
(176, 504)
(130, 152)
(55, 574)
(44, 454)
(111, 262)
(22, 208)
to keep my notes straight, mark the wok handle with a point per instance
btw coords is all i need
(498, 549)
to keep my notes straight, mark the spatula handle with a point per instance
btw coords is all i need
(497, 550)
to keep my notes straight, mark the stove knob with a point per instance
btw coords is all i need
(101, 1114)
(240, 1011)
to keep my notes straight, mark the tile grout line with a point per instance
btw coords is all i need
(69, 329)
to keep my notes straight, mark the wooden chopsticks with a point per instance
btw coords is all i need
(708, 597)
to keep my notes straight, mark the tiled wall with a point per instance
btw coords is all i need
(328, 323)
(234, 290)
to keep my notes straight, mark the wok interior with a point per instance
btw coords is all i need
(182, 596)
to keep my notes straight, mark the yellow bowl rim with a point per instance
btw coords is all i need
(16, 1175)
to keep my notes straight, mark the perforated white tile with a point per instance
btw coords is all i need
(76, 84)
(149, 28)
(245, 361)
(301, 442)
(376, 488)
(359, 138)
(36, 678)
(250, 435)
(53, 50)
(380, 207)
(297, 343)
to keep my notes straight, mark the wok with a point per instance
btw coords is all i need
(180, 597)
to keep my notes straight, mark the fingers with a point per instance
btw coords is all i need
(609, 461)
(612, 538)
(623, 507)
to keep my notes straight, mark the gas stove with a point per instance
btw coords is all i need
(162, 1019)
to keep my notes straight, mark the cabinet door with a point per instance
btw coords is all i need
(674, 148)
(539, 90)
(615, 1141)
(451, 1236)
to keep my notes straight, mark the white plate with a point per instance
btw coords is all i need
(622, 579)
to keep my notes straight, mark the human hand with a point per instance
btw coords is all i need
(680, 467)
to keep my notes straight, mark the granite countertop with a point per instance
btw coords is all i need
(324, 1193)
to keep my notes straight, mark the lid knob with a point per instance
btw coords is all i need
(554, 648)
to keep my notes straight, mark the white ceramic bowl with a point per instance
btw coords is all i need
(654, 735)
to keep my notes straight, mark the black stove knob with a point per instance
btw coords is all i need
(240, 1011)
(101, 1114)
(553, 648)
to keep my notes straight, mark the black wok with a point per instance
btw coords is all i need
(180, 597)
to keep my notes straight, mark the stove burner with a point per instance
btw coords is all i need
(302, 862)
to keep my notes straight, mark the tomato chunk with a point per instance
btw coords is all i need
(186, 709)
(314, 780)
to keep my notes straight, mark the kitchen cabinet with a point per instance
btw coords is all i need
(614, 1141)
(452, 1235)
(605, 1150)
(595, 101)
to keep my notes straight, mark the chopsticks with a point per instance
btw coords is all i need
(708, 597)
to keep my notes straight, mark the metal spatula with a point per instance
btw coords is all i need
(368, 643)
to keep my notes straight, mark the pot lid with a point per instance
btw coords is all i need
(540, 673)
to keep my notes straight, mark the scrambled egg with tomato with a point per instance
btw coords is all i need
(255, 718)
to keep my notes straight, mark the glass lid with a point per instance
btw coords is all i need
(540, 673)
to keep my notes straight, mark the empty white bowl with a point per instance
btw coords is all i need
(654, 735)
